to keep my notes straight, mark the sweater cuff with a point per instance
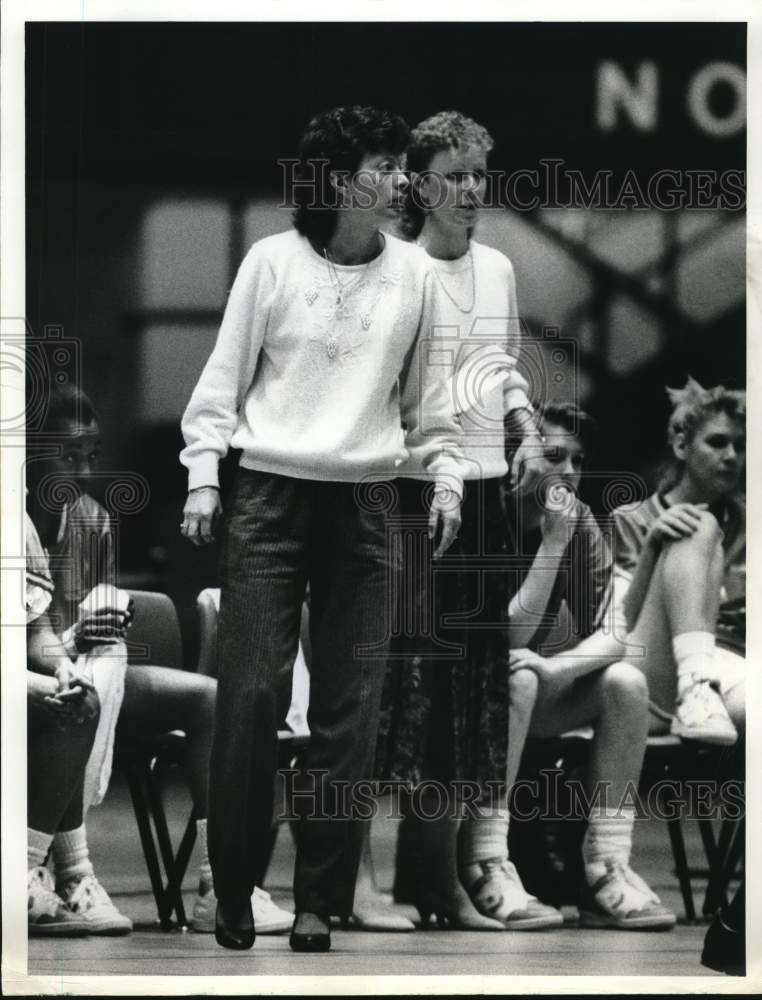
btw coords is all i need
(447, 475)
(204, 471)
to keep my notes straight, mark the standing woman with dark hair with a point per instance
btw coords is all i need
(316, 370)
(442, 685)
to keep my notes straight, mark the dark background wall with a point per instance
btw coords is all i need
(151, 166)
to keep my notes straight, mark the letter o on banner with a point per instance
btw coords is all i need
(698, 99)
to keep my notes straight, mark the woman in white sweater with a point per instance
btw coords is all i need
(316, 369)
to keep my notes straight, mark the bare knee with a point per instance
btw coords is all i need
(523, 687)
(706, 539)
(206, 698)
(624, 684)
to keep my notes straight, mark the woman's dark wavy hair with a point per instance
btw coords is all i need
(67, 404)
(339, 140)
(572, 419)
(444, 130)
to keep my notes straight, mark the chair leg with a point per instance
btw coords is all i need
(180, 866)
(681, 866)
(135, 779)
(727, 854)
(172, 892)
(713, 897)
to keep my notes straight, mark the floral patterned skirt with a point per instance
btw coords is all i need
(444, 713)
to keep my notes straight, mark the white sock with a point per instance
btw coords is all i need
(694, 655)
(205, 869)
(37, 847)
(608, 838)
(71, 855)
(485, 836)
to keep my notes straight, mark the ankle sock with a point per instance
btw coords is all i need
(37, 847)
(694, 656)
(71, 855)
(485, 836)
(608, 838)
(205, 869)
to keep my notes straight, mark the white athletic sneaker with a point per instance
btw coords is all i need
(620, 899)
(47, 913)
(268, 918)
(701, 715)
(87, 898)
(496, 891)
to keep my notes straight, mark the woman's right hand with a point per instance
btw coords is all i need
(681, 520)
(559, 517)
(200, 514)
(67, 697)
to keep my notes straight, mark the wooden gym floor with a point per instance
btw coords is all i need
(568, 952)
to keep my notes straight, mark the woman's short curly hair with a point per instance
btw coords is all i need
(444, 130)
(338, 140)
(693, 405)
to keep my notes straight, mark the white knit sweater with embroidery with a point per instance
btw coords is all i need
(317, 368)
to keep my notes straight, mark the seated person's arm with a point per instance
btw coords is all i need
(596, 651)
(46, 653)
(590, 599)
(52, 679)
(530, 601)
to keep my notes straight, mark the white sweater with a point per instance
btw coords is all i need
(312, 388)
(479, 347)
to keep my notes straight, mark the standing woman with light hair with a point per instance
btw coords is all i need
(443, 693)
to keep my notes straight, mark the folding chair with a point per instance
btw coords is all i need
(681, 761)
(154, 638)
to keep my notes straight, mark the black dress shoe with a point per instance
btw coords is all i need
(724, 948)
(311, 933)
(725, 941)
(234, 924)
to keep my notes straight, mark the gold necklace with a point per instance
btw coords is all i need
(457, 304)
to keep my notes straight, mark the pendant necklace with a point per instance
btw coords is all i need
(452, 299)
(342, 293)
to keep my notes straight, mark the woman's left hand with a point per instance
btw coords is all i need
(548, 670)
(445, 507)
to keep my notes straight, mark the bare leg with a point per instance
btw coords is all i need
(692, 574)
(523, 691)
(56, 760)
(439, 890)
(370, 911)
(683, 597)
(159, 699)
(615, 701)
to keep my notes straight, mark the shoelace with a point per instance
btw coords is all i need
(706, 697)
(90, 889)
